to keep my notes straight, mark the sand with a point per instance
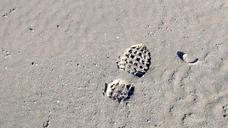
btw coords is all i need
(57, 55)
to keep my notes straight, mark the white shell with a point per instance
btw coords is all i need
(186, 59)
(135, 60)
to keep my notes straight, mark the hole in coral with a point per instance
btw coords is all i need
(140, 54)
(136, 64)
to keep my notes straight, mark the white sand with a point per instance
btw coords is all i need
(56, 55)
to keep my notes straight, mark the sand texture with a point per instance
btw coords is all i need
(57, 55)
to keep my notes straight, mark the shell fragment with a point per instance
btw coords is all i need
(119, 90)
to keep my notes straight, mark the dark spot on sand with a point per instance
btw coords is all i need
(46, 124)
(180, 55)
(31, 29)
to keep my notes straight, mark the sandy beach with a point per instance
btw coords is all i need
(57, 55)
